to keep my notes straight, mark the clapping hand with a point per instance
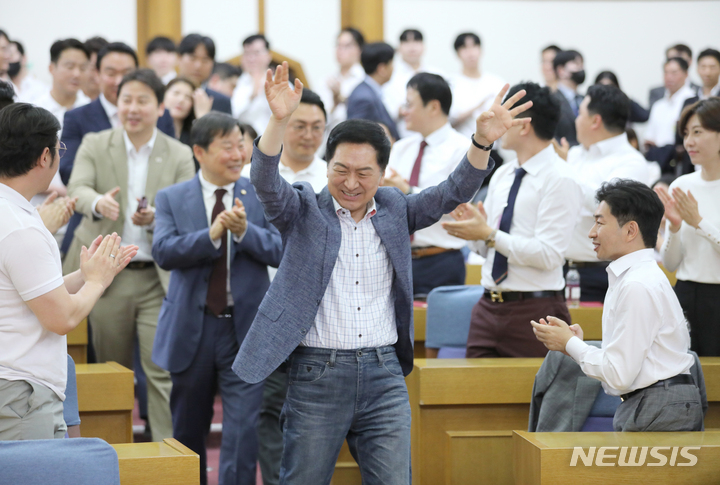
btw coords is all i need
(671, 211)
(56, 212)
(105, 259)
(687, 207)
(470, 223)
(495, 122)
(235, 218)
(394, 179)
(555, 333)
(202, 103)
(282, 99)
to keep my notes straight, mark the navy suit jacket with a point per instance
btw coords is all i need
(92, 118)
(566, 125)
(311, 235)
(220, 101)
(364, 103)
(182, 244)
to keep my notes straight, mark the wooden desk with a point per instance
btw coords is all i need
(473, 274)
(77, 342)
(419, 319)
(545, 458)
(590, 319)
(464, 411)
(106, 397)
(166, 463)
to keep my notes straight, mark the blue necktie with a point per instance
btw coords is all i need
(500, 264)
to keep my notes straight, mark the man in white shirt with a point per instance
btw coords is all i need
(161, 56)
(523, 231)
(68, 63)
(604, 154)
(27, 86)
(248, 100)
(38, 307)
(423, 160)
(644, 356)
(473, 90)
(116, 176)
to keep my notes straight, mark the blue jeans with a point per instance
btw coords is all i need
(337, 394)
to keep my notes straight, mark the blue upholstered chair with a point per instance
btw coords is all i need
(81, 461)
(448, 318)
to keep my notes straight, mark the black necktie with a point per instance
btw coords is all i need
(217, 289)
(500, 264)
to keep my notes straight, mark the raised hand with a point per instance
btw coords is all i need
(671, 211)
(495, 122)
(283, 100)
(561, 148)
(202, 103)
(687, 207)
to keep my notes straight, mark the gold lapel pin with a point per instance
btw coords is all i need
(243, 191)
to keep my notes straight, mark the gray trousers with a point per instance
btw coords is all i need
(29, 411)
(667, 408)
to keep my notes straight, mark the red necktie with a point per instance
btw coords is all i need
(415, 174)
(217, 289)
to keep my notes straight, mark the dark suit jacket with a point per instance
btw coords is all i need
(364, 103)
(220, 101)
(92, 118)
(566, 125)
(182, 244)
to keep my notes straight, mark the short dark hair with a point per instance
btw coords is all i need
(25, 132)
(149, 79)
(160, 43)
(311, 97)
(190, 119)
(679, 61)
(360, 132)
(430, 87)
(60, 46)
(552, 47)
(630, 200)
(226, 71)
(19, 47)
(7, 94)
(119, 47)
(707, 111)
(191, 42)
(210, 126)
(611, 104)
(248, 129)
(545, 111)
(356, 35)
(563, 57)
(414, 33)
(709, 53)
(609, 75)
(95, 44)
(374, 54)
(254, 37)
(680, 48)
(460, 40)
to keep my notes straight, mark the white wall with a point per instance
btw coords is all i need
(228, 22)
(627, 37)
(39, 23)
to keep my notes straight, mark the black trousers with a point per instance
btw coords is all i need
(444, 269)
(701, 304)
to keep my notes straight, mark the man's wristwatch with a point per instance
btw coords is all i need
(481, 147)
(490, 240)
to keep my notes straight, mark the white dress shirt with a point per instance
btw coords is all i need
(315, 174)
(444, 152)
(29, 268)
(253, 111)
(137, 178)
(546, 211)
(348, 83)
(695, 253)
(664, 114)
(713, 92)
(468, 92)
(48, 102)
(602, 162)
(111, 111)
(358, 308)
(228, 200)
(168, 77)
(645, 334)
(30, 89)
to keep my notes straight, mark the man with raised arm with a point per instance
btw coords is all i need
(340, 307)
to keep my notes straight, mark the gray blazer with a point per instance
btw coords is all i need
(311, 235)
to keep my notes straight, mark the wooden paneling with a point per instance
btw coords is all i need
(157, 17)
(365, 15)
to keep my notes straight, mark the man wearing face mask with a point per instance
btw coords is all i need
(570, 73)
(27, 86)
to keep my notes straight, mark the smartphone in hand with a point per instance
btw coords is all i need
(142, 204)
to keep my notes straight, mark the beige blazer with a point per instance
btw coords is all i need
(101, 164)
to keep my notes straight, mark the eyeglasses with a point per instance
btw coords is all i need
(61, 149)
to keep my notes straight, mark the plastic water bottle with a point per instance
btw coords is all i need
(572, 287)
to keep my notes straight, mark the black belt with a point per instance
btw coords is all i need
(226, 313)
(590, 264)
(505, 296)
(140, 265)
(672, 381)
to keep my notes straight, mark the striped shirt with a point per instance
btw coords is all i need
(358, 308)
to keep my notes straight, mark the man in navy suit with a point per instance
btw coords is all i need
(197, 59)
(340, 306)
(365, 102)
(218, 251)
